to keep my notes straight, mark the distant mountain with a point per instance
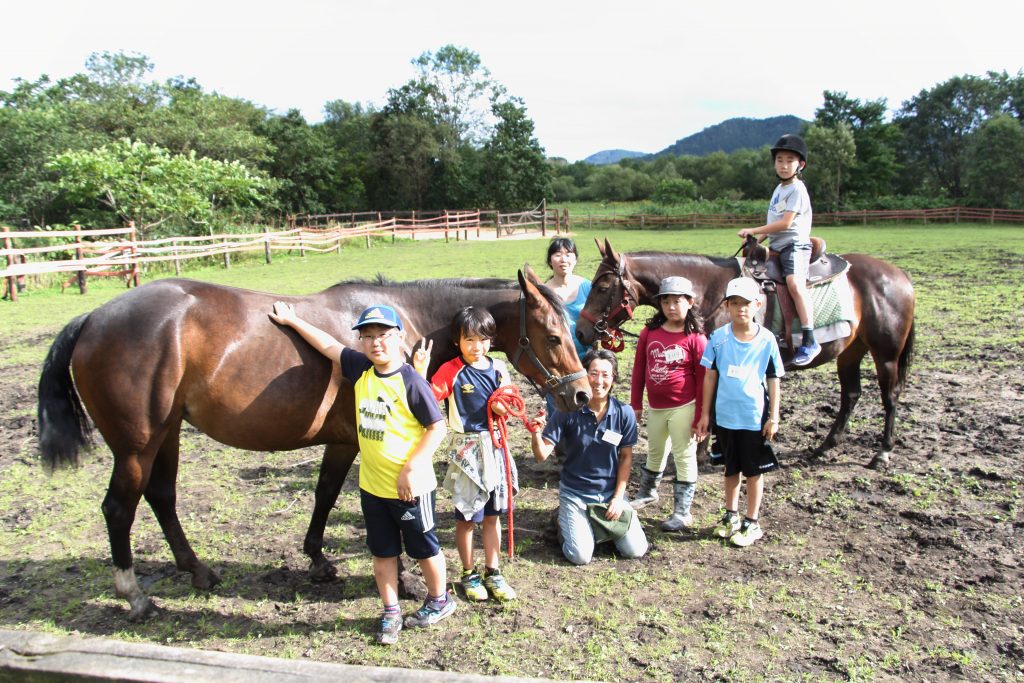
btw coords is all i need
(733, 134)
(612, 156)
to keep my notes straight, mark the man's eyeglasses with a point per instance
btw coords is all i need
(371, 338)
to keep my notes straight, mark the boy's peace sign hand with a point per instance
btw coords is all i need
(421, 356)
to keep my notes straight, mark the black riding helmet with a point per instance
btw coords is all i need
(791, 143)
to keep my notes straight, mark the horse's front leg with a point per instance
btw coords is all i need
(848, 366)
(334, 467)
(161, 494)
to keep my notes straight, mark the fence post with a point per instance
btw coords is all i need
(590, 221)
(497, 224)
(266, 245)
(134, 278)
(302, 245)
(80, 256)
(12, 280)
(565, 219)
(446, 226)
(544, 219)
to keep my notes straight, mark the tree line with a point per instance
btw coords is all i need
(961, 141)
(110, 144)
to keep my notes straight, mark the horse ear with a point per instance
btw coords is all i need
(528, 283)
(530, 274)
(600, 247)
(609, 252)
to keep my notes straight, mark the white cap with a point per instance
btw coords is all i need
(743, 286)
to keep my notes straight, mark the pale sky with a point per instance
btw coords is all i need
(594, 75)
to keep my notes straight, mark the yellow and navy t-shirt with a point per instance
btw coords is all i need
(392, 413)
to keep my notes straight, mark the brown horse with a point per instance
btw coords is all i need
(180, 350)
(883, 323)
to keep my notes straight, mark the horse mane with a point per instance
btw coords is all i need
(491, 283)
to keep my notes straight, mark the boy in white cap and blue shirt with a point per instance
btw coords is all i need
(400, 426)
(743, 367)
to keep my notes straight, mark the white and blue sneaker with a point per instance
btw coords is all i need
(805, 354)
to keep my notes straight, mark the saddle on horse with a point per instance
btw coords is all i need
(762, 264)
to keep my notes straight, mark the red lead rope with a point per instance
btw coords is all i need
(509, 397)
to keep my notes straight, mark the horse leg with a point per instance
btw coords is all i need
(119, 506)
(848, 367)
(889, 385)
(334, 467)
(161, 494)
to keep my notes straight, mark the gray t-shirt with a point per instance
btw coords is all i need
(792, 197)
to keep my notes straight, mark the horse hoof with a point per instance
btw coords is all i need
(880, 461)
(322, 571)
(411, 586)
(142, 609)
(204, 578)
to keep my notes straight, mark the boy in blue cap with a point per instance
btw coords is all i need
(400, 426)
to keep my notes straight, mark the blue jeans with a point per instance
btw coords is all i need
(578, 536)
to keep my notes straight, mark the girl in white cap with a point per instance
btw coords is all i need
(667, 365)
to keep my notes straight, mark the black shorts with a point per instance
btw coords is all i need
(745, 451)
(390, 521)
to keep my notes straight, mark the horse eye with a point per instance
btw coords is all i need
(554, 341)
(603, 288)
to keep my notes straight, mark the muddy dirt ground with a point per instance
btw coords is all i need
(911, 573)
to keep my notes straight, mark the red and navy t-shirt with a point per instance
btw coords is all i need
(466, 390)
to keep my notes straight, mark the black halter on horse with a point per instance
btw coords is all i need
(608, 324)
(551, 381)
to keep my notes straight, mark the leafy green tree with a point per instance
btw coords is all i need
(210, 125)
(458, 89)
(875, 168)
(302, 163)
(148, 185)
(516, 175)
(405, 151)
(936, 124)
(995, 163)
(674, 191)
(834, 152)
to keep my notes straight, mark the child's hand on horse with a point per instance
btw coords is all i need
(283, 313)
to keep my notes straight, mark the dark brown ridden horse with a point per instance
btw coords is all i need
(883, 323)
(180, 350)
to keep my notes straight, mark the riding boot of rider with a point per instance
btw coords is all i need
(648, 492)
(681, 517)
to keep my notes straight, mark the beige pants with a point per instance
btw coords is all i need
(672, 426)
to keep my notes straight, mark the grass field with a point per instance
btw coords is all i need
(913, 573)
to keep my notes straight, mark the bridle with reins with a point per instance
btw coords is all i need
(615, 313)
(551, 381)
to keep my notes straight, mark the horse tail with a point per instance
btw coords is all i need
(906, 358)
(64, 427)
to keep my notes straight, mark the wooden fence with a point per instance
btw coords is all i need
(953, 214)
(118, 253)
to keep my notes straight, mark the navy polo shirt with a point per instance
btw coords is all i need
(592, 450)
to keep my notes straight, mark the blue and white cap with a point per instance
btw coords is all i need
(381, 314)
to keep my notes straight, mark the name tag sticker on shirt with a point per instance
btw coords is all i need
(673, 354)
(738, 371)
(611, 437)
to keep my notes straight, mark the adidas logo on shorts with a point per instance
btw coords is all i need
(408, 516)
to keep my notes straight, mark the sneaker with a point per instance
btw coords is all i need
(729, 525)
(389, 628)
(748, 533)
(805, 354)
(428, 616)
(473, 586)
(498, 587)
